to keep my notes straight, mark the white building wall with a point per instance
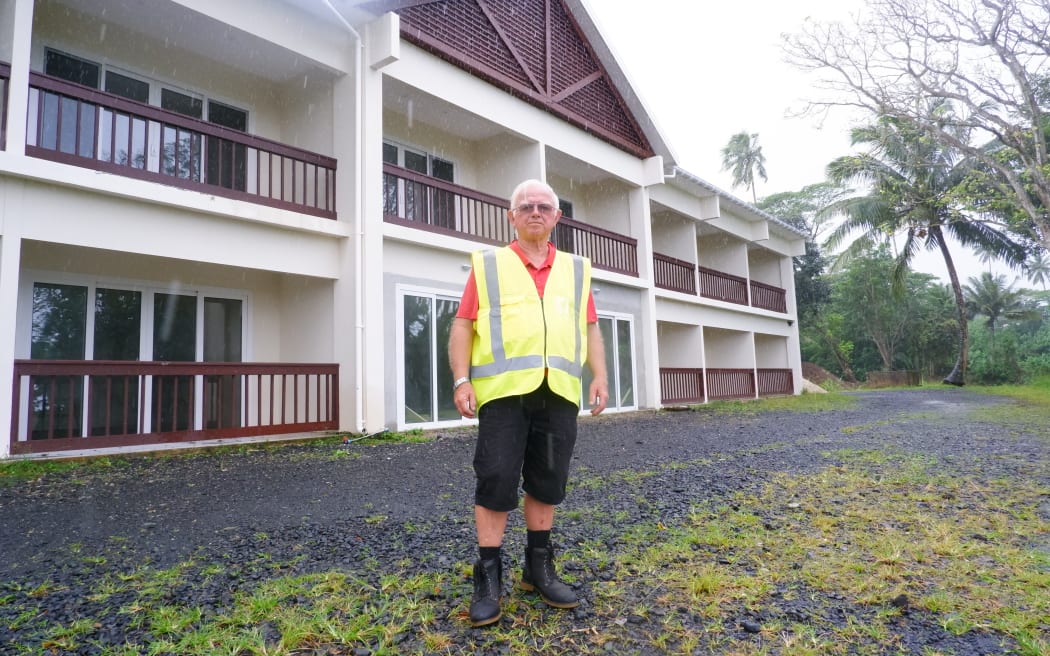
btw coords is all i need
(728, 349)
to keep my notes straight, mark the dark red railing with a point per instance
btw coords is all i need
(85, 127)
(730, 384)
(607, 250)
(420, 201)
(775, 381)
(59, 405)
(768, 297)
(674, 274)
(680, 385)
(5, 75)
(723, 286)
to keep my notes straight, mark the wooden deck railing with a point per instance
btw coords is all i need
(420, 201)
(59, 405)
(730, 384)
(681, 385)
(723, 286)
(674, 274)
(85, 127)
(775, 381)
(768, 297)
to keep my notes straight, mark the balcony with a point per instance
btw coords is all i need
(89, 404)
(730, 384)
(680, 385)
(768, 297)
(674, 274)
(680, 276)
(775, 381)
(93, 129)
(420, 201)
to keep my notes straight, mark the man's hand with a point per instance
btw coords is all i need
(598, 394)
(466, 402)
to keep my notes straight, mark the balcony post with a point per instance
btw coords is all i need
(21, 34)
(10, 264)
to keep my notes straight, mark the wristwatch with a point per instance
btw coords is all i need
(459, 381)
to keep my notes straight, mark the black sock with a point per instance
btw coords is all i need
(489, 553)
(538, 539)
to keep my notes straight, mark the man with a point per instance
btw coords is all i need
(525, 323)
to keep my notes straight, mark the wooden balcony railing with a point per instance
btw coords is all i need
(775, 381)
(768, 297)
(5, 75)
(85, 127)
(607, 250)
(60, 405)
(420, 201)
(723, 286)
(678, 385)
(730, 384)
(674, 274)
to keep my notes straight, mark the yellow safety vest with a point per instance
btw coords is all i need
(518, 336)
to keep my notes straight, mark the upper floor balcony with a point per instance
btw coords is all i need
(428, 203)
(103, 131)
(680, 276)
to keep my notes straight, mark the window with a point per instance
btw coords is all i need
(418, 201)
(563, 233)
(122, 138)
(618, 338)
(126, 86)
(426, 320)
(181, 328)
(71, 69)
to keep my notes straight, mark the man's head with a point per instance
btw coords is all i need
(534, 210)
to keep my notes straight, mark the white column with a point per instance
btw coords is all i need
(18, 85)
(10, 263)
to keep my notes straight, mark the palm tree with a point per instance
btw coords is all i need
(908, 178)
(743, 158)
(1037, 268)
(990, 297)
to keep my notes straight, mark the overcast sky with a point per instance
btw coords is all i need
(708, 69)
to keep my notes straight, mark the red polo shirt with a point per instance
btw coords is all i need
(468, 304)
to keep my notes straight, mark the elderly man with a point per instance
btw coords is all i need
(526, 322)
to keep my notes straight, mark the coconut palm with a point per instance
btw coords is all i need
(1037, 268)
(990, 297)
(907, 180)
(743, 158)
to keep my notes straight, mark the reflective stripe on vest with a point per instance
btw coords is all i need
(566, 360)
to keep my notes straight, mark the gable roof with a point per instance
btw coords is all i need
(549, 53)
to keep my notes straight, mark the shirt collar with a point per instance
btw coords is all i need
(549, 262)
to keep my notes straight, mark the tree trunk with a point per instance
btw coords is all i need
(958, 374)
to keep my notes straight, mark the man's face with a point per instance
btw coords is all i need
(534, 214)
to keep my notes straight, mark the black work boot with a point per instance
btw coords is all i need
(538, 574)
(488, 589)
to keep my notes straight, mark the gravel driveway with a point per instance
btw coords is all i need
(362, 505)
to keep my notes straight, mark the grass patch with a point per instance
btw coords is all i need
(800, 403)
(876, 527)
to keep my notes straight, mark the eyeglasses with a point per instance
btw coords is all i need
(529, 208)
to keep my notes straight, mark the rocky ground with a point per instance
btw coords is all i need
(217, 505)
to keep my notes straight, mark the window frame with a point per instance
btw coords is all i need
(402, 290)
(148, 291)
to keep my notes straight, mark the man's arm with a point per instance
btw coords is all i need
(598, 394)
(460, 343)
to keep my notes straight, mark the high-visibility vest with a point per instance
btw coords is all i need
(518, 337)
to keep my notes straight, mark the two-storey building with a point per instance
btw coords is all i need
(228, 220)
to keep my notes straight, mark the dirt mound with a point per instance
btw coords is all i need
(819, 375)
